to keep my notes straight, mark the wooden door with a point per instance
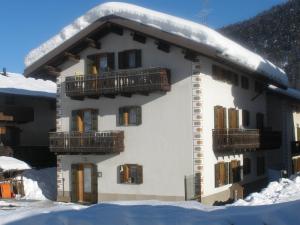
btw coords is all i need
(85, 185)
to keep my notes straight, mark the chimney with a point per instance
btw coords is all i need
(4, 71)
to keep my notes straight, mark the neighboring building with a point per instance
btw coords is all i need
(151, 106)
(27, 115)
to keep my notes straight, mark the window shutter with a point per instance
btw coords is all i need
(138, 115)
(74, 126)
(217, 175)
(224, 118)
(94, 184)
(259, 120)
(226, 166)
(216, 111)
(121, 60)
(74, 168)
(139, 174)
(233, 118)
(138, 58)
(111, 61)
(94, 118)
(240, 171)
(222, 173)
(121, 117)
(231, 172)
(126, 173)
(246, 118)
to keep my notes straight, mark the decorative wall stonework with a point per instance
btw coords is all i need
(197, 128)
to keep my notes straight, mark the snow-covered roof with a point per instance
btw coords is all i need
(14, 83)
(10, 163)
(289, 92)
(201, 34)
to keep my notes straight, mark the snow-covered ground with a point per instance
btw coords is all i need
(278, 204)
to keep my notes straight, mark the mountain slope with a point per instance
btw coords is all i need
(275, 34)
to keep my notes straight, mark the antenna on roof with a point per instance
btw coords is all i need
(204, 12)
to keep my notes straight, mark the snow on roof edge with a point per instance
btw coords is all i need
(10, 163)
(175, 25)
(289, 92)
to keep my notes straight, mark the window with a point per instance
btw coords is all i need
(260, 165)
(220, 117)
(296, 165)
(221, 174)
(100, 63)
(235, 171)
(225, 75)
(245, 82)
(247, 166)
(130, 115)
(131, 174)
(259, 121)
(258, 87)
(130, 59)
(233, 118)
(84, 120)
(246, 118)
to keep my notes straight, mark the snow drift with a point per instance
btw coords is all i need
(196, 32)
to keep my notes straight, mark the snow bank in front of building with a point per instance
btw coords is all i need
(14, 83)
(276, 192)
(10, 163)
(40, 184)
(227, 49)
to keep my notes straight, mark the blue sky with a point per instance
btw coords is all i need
(25, 24)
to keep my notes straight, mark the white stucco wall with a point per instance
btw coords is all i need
(162, 144)
(229, 96)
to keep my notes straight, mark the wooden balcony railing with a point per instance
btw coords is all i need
(235, 139)
(108, 142)
(225, 140)
(118, 82)
(295, 148)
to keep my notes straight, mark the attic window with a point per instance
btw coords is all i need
(130, 59)
(225, 75)
(100, 63)
(163, 46)
(139, 38)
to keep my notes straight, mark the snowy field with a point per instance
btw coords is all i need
(278, 204)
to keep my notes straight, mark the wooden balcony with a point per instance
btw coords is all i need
(295, 146)
(108, 142)
(123, 82)
(225, 140)
(237, 140)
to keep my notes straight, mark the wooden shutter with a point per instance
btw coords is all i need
(138, 110)
(222, 174)
(220, 117)
(111, 61)
(94, 183)
(259, 120)
(138, 58)
(217, 175)
(298, 133)
(94, 117)
(74, 190)
(139, 174)
(226, 166)
(126, 173)
(122, 60)
(298, 165)
(233, 116)
(121, 118)
(246, 118)
(74, 126)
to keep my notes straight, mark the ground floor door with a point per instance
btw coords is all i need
(84, 183)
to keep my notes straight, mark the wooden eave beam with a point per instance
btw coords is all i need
(93, 43)
(72, 57)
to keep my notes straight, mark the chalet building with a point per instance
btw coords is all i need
(151, 106)
(27, 114)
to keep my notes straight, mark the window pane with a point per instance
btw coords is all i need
(103, 63)
(87, 173)
(87, 118)
(132, 116)
(131, 59)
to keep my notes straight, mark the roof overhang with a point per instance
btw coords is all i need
(36, 69)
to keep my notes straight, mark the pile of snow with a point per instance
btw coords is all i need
(40, 184)
(171, 24)
(15, 83)
(10, 163)
(277, 192)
